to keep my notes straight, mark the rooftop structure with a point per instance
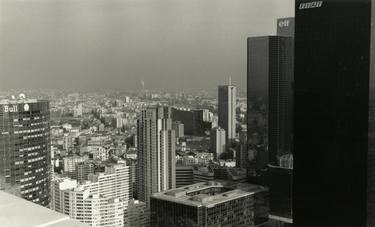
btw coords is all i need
(212, 203)
(208, 193)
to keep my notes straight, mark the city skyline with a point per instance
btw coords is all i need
(131, 113)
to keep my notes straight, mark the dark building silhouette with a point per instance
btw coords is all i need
(334, 136)
(270, 95)
(280, 189)
(193, 121)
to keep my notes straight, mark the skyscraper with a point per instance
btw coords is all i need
(25, 148)
(156, 152)
(218, 142)
(227, 111)
(270, 95)
(334, 126)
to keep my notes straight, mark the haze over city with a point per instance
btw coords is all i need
(170, 44)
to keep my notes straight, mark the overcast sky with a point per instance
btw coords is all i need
(114, 44)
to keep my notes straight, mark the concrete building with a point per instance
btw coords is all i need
(25, 151)
(178, 127)
(69, 163)
(83, 170)
(156, 152)
(184, 175)
(114, 182)
(214, 203)
(227, 111)
(218, 142)
(203, 174)
(137, 214)
(86, 204)
(101, 201)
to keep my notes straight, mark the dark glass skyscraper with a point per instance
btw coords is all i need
(334, 136)
(269, 87)
(25, 147)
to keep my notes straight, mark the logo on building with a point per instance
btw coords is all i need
(10, 109)
(283, 23)
(310, 5)
(26, 107)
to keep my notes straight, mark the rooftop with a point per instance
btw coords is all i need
(208, 193)
(16, 211)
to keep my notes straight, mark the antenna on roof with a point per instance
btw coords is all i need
(230, 80)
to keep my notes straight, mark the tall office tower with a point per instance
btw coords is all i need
(156, 152)
(285, 26)
(334, 114)
(25, 156)
(87, 203)
(270, 95)
(227, 111)
(218, 142)
(214, 203)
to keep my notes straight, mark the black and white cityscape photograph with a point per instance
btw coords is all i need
(187, 113)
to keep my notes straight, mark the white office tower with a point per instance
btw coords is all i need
(156, 152)
(227, 111)
(114, 182)
(101, 201)
(218, 142)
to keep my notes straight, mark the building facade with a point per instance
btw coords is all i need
(137, 214)
(87, 204)
(218, 139)
(184, 175)
(227, 111)
(270, 99)
(213, 203)
(156, 152)
(25, 148)
(334, 113)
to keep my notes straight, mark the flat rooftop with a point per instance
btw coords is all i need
(208, 193)
(19, 212)
(19, 101)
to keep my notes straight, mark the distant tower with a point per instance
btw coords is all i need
(25, 155)
(156, 152)
(218, 142)
(227, 111)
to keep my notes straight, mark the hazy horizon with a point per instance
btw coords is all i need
(114, 44)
